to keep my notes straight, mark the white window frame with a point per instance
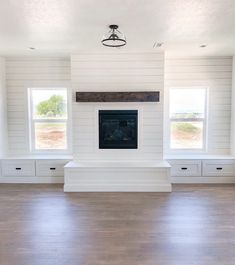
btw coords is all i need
(204, 120)
(33, 121)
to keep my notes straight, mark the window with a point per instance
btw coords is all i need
(188, 118)
(48, 119)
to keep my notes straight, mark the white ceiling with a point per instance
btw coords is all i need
(67, 26)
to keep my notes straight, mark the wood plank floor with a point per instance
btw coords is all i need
(40, 225)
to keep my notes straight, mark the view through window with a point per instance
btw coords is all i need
(187, 118)
(48, 112)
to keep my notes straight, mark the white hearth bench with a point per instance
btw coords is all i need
(110, 176)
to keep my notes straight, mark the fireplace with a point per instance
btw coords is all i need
(118, 129)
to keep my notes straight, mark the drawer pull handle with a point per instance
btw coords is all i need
(184, 168)
(18, 168)
(52, 168)
(219, 168)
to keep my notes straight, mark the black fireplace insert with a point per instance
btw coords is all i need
(118, 129)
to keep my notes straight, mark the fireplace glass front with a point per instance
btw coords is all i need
(118, 129)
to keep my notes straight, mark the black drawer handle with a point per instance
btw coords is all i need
(184, 168)
(219, 168)
(18, 168)
(52, 168)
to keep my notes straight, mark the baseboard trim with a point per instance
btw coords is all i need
(118, 188)
(32, 180)
(202, 180)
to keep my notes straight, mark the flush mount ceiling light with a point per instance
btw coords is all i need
(114, 38)
(203, 46)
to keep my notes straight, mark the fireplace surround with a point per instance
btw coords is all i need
(118, 129)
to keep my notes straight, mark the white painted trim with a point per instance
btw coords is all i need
(117, 188)
(232, 135)
(32, 180)
(122, 106)
(30, 123)
(202, 180)
(167, 121)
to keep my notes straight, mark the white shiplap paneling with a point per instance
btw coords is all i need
(216, 74)
(23, 73)
(118, 71)
(3, 109)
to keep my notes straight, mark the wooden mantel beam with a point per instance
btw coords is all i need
(148, 96)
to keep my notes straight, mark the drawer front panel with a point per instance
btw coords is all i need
(222, 168)
(191, 168)
(50, 168)
(21, 168)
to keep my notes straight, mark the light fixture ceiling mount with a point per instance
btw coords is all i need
(114, 38)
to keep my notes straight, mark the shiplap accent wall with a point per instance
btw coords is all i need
(216, 74)
(23, 73)
(3, 112)
(233, 111)
(118, 71)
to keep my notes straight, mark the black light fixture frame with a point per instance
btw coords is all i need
(113, 36)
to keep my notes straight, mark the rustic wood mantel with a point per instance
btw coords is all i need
(148, 96)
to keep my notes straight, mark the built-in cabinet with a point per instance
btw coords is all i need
(18, 168)
(32, 168)
(50, 168)
(185, 167)
(220, 168)
(211, 168)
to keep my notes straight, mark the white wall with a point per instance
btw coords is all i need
(3, 113)
(216, 74)
(118, 71)
(233, 111)
(21, 74)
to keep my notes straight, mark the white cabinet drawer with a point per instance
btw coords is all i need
(19, 167)
(222, 168)
(188, 168)
(50, 168)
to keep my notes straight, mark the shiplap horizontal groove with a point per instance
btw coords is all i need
(119, 79)
(118, 75)
(36, 65)
(16, 134)
(29, 77)
(138, 61)
(152, 142)
(16, 139)
(111, 73)
(219, 139)
(118, 57)
(217, 101)
(221, 120)
(190, 83)
(223, 61)
(117, 88)
(16, 121)
(37, 83)
(36, 59)
(116, 66)
(201, 76)
(198, 69)
(220, 93)
(222, 145)
(32, 71)
(118, 82)
(219, 106)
